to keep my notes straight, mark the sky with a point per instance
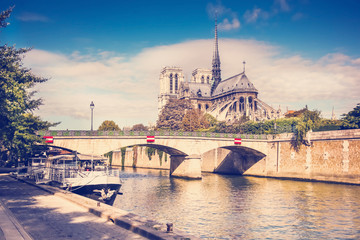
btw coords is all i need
(298, 52)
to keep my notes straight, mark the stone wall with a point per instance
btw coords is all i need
(332, 156)
(138, 157)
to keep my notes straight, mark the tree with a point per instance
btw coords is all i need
(309, 120)
(108, 125)
(172, 114)
(139, 127)
(351, 120)
(193, 120)
(18, 124)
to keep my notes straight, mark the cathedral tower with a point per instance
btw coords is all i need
(216, 71)
(170, 80)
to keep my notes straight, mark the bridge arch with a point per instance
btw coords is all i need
(232, 159)
(169, 150)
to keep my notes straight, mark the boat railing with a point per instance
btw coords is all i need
(58, 173)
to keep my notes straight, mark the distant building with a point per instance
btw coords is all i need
(333, 116)
(226, 100)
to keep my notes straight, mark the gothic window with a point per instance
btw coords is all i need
(251, 103)
(171, 83)
(208, 80)
(242, 104)
(235, 107)
(199, 106)
(255, 104)
(176, 83)
(202, 79)
(206, 106)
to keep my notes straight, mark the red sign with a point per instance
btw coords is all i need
(237, 141)
(150, 139)
(49, 139)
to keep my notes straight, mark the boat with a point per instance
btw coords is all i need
(81, 174)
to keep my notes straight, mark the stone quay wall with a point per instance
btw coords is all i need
(332, 156)
(138, 157)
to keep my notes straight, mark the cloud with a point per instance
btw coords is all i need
(125, 89)
(282, 5)
(32, 17)
(278, 7)
(227, 25)
(218, 11)
(252, 16)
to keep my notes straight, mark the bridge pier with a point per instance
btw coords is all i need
(185, 166)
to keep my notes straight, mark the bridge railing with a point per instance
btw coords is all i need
(150, 133)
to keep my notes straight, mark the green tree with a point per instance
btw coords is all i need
(351, 120)
(18, 125)
(172, 114)
(108, 125)
(309, 120)
(329, 125)
(139, 127)
(194, 120)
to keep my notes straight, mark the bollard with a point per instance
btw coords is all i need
(169, 227)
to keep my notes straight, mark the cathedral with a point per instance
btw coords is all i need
(227, 100)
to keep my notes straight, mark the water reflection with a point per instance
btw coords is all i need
(236, 207)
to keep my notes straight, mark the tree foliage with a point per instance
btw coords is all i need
(172, 114)
(194, 120)
(18, 125)
(351, 120)
(108, 125)
(5, 15)
(139, 127)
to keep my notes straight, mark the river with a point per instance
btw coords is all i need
(238, 207)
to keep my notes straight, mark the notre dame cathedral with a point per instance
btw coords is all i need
(226, 100)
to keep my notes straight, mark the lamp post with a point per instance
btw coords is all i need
(92, 106)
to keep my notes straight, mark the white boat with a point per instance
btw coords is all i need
(86, 176)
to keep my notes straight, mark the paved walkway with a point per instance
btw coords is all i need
(27, 212)
(10, 228)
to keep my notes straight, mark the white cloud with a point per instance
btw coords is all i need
(32, 17)
(282, 5)
(219, 10)
(125, 89)
(215, 10)
(252, 16)
(227, 25)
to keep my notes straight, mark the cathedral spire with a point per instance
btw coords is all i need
(216, 71)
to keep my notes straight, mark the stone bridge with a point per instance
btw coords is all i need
(185, 148)
(327, 156)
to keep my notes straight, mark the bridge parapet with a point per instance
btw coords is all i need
(152, 133)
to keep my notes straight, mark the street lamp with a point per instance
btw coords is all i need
(92, 106)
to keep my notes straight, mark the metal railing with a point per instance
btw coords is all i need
(79, 133)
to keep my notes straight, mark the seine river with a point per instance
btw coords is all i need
(237, 207)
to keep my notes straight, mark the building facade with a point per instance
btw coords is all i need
(227, 100)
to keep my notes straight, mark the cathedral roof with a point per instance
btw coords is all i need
(199, 89)
(237, 83)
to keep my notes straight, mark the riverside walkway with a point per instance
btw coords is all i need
(31, 212)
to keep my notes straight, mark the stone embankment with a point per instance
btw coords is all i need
(44, 212)
(331, 156)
